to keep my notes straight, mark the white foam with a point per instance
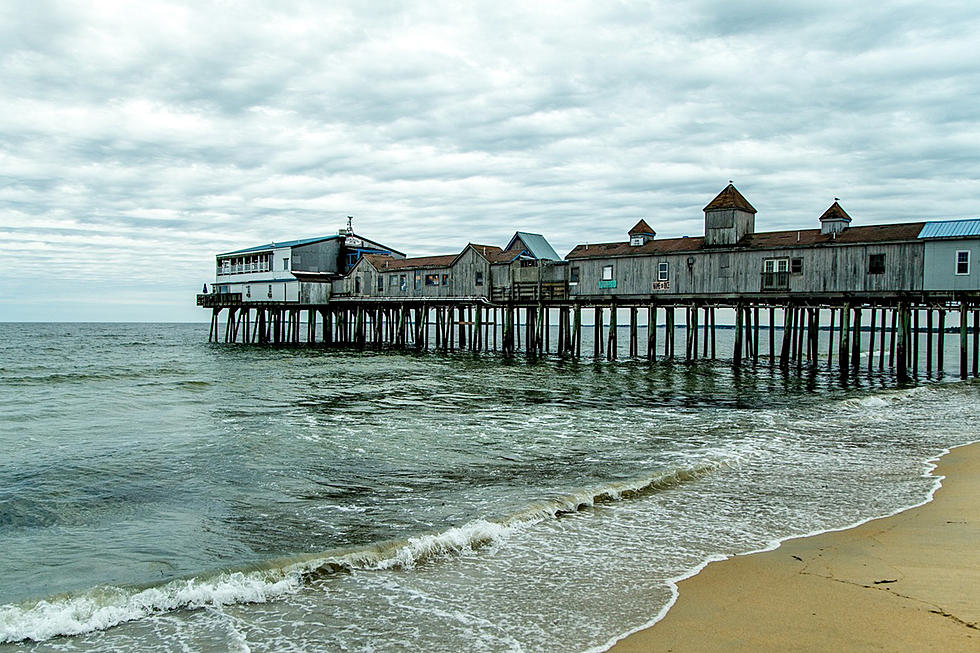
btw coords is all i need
(104, 607)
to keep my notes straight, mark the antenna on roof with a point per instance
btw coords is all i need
(730, 181)
(836, 199)
(350, 220)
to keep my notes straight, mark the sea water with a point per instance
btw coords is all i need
(160, 493)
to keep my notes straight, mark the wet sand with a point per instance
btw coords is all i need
(909, 582)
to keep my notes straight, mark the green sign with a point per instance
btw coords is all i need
(608, 283)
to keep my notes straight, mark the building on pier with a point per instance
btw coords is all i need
(289, 271)
(733, 259)
(527, 268)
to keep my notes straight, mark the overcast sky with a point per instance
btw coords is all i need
(139, 139)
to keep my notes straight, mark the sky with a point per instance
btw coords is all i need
(139, 139)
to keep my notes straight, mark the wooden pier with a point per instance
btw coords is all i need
(902, 331)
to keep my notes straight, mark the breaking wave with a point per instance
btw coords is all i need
(104, 607)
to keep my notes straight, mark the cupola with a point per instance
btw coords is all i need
(728, 218)
(834, 220)
(641, 234)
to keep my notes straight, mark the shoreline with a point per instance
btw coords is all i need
(902, 582)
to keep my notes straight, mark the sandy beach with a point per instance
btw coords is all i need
(909, 582)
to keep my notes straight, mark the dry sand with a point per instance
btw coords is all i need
(910, 582)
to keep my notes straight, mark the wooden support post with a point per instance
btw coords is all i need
(737, 349)
(915, 341)
(871, 338)
(772, 336)
(755, 334)
(597, 333)
(929, 341)
(901, 343)
(787, 337)
(651, 332)
(843, 356)
(830, 343)
(963, 339)
(976, 342)
(894, 337)
(711, 315)
(613, 346)
(634, 343)
(941, 341)
(856, 347)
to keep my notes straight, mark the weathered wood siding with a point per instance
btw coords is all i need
(826, 269)
(463, 275)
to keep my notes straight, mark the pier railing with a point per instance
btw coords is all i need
(216, 300)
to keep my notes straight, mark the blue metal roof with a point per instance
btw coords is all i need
(951, 228)
(286, 243)
(537, 246)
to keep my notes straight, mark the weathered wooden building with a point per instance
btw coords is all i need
(527, 268)
(732, 258)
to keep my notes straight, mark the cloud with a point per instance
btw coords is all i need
(139, 139)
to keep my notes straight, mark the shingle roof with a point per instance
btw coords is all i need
(730, 198)
(835, 212)
(383, 263)
(765, 240)
(489, 252)
(641, 228)
(950, 228)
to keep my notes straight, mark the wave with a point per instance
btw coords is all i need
(104, 607)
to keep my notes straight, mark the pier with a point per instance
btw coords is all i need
(901, 333)
(841, 297)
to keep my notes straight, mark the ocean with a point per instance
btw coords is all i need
(159, 493)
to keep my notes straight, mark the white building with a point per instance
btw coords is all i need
(273, 272)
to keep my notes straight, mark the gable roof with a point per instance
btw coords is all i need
(730, 198)
(766, 240)
(835, 212)
(490, 253)
(385, 263)
(536, 244)
(641, 228)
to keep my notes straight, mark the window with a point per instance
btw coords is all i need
(445, 279)
(357, 284)
(394, 281)
(607, 272)
(402, 282)
(285, 263)
(775, 273)
(663, 271)
(226, 266)
(963, 262)
(479, 278)
(432, 279)
(381, 283)
(796, 266)
(636, 241)
(418, 281)
(573, 276)
(876, 264)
